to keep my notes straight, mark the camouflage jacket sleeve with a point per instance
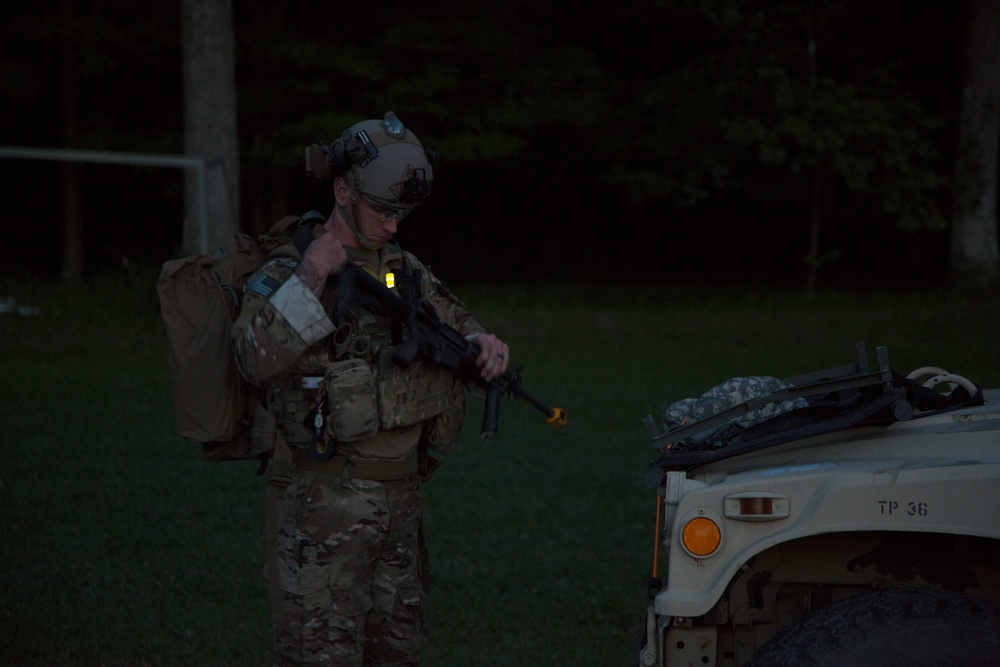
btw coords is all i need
(448, 306)
(279, 320)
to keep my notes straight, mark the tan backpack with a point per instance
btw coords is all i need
(200, 298)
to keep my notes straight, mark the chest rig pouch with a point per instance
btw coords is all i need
(412, 395)
(361, 389)
(352, 401)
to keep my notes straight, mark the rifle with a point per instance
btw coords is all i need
(429, 335)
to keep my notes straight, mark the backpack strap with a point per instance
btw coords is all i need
(292, 234)
(282, 467)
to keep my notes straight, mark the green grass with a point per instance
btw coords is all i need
(121, 547)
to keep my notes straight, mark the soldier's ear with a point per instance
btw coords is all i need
(341, 191)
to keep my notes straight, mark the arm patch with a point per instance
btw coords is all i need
(262, 284)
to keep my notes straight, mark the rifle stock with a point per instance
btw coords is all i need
(429, 335)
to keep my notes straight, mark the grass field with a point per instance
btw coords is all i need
(121, 547)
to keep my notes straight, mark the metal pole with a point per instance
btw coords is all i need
(141, 159)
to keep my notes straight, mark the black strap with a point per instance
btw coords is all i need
(302, 238)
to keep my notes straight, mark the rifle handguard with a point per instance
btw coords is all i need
(491, 414)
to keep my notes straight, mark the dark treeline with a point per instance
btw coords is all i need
(759, 142)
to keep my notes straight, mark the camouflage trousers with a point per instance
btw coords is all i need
(349, 572)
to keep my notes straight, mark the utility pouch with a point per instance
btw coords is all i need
(442, 433)
(351, 400)
(294, 404)
(263, 430)
(411, 395)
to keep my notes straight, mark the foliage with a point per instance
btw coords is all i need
(654, 117)
(115, 54)
(474, 78)
(760, 87)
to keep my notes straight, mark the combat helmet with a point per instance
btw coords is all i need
(381, 160)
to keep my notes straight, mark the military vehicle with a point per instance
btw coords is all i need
(849, 516)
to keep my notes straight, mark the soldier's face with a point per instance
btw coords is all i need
(370, 223)
(377, 223)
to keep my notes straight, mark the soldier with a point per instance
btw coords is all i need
(355, 427)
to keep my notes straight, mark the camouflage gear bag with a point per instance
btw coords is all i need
(724, 396)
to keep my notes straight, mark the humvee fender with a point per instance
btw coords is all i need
(791, 541)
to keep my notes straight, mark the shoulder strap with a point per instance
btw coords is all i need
(282, 468)
(294, 231)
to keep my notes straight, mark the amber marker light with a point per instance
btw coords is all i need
(756, 506)
(701, 536)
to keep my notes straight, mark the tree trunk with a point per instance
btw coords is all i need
(975, 259)
(72, 264)
(210, 121)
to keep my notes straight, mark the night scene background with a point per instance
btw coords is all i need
(782, 143)
(643, 198)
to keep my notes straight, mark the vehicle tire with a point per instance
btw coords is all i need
(896, 627)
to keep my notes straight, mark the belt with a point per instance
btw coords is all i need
(379, 471)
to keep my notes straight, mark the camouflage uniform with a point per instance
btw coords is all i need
(349, 561)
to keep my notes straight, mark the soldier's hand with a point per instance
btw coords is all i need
(494, 355)
(325, 256)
